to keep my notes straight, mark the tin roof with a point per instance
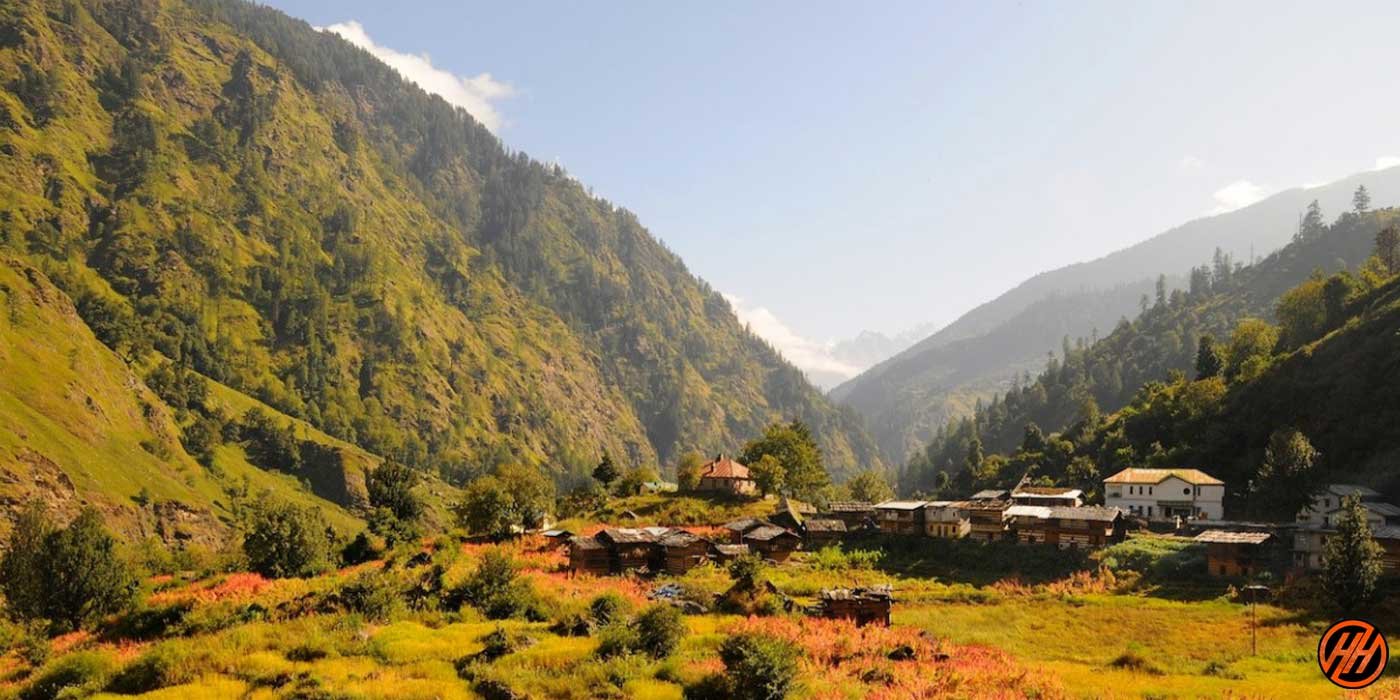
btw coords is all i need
(1093, 513)
(988, 495)
(1046, 492)
(1018, 511)
(900, 505)
(1134, 475)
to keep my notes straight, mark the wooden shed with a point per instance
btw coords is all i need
(864, 606)
(743, 526)
(772, 542)
(822, 532)
(683, 551)
(1235, 553)
(589, 556)
(631, 548)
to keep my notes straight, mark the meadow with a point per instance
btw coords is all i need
(1124, 622)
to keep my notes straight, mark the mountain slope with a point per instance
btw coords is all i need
(1163, 339)
(278, 211)
(906, 398)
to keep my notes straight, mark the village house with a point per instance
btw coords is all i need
(1087, 527)
(1317, 521)
(738, 528)
(791, 513)
(990, 495)
(557, 537)
(772, 542)
(900, 517)
(856, 514)
(823, 531)
(1231, 553)
(725, 553)
(1047, 496)
(1166, 494)
(986, 518)
(631, 547)
(1328, 500)
(683, 551)
(864, 606)
(589, 556)
(724, 475)
(946, 520)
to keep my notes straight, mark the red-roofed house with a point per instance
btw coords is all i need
(725, 475)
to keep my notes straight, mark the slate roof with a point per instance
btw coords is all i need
(679, 538)
(767, 532)
(1349, 489)
(822, 525)
(1228, 537)
(1092, 513)
(1133, 475)
(744, 524)
(849, 507)
(628, 535)
(732, 550)
(988, 495)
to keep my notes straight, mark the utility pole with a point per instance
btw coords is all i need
(1252, 594)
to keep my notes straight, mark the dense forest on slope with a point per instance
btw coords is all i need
(1331, 353)
(222, 186)
(908, 397)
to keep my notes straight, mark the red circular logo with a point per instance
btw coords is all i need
(1352, 654)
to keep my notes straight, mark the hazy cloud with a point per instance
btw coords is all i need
(1190, 164)
(1240, 193)
(810, 356)
(1387, 162)
(477, 94)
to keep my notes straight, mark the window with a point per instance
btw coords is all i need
(1149, 490)
(1149, 511)
(1186, 491)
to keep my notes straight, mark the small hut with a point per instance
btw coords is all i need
(772, 542)
(1235, 553)
(822, 532)
(864, 606)
(631, 548)
(725, 553)
(589, 556)
(683, 551)
(743, 526)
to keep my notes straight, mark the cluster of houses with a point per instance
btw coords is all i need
(1179, 500)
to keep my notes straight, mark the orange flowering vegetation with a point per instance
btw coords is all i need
(1078, 583)
(566, 587)
(898, 662)
(232, 587)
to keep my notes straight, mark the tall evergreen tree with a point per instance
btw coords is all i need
(1361, 200)
(1351, 559)
(606, 472)
(1209, 360)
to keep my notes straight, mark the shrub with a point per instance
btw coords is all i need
(1132, 661)
(608, 608)
(617, 639)
(496, 590)
(1221, 669)
(71, 576)
(365, 547)
(286, 541)
(374, 595)
(161, 667)
(660, 629)
(833, 558)
(572, 624)
(74, 675)
(748, 568)
(759, 667)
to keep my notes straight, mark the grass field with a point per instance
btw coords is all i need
(1094, 633)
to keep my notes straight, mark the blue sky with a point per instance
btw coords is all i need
(838, 168)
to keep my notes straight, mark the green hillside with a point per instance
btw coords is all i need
(274, 210)
(1104, 376)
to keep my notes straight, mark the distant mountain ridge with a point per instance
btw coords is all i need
(907, 397)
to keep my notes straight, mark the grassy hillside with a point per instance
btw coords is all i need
(80, 427)
(272, 208)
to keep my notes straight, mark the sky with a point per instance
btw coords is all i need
(840, 167)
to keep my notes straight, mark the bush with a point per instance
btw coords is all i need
(1132, 661)
(572, 624)
(496, 590)
(374, 595)
(71, 576)
(834, 558)
(759, 667)
(748, 568)
(75, 675)
(608, 608)
(617, 639)
(285, 541)
(660, 629)
(364, 548)
(161, 667)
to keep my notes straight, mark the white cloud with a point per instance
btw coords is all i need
(810, 356)
(1386, 162)
(1240, 193)
(1190, 164)
(477, 94)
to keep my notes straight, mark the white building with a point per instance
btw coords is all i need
(1328, 501)
(1163, 494)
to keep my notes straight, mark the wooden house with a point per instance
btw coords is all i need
(946, 520)
(856, 514)
(556, 537)
(1235, 553)
(738, 528)
(682, 551)
(900, 517)
(589, 556)
(791, 513)
(986, 517)
(1050, 496)
(1067, 528)
(824, 531)
(772, 542)
(864, 606)
(631, 548)
(724, 475)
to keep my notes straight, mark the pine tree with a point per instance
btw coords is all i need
(1209, 360)
(1361, 201)
(1351, 559)
(606, 472)
(1388, 248)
